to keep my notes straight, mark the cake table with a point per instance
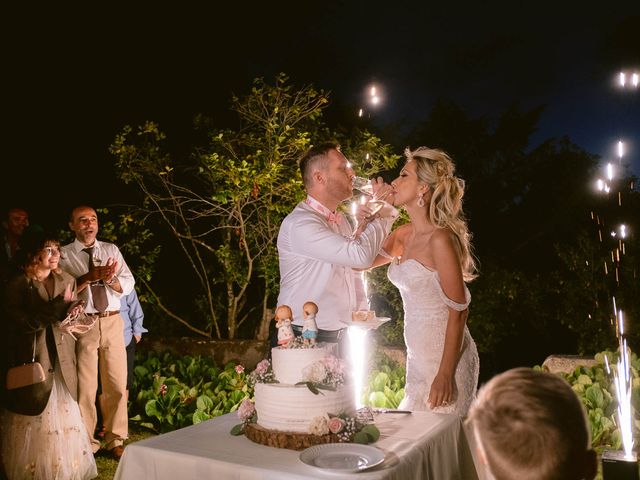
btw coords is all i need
(420, 445)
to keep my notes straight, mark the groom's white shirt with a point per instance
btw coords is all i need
(317, 262)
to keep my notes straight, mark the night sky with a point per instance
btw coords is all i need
(76, 75)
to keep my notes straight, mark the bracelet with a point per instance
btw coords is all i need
(112, 281)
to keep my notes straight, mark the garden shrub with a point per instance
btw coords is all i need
(172, 392)
(596, 389)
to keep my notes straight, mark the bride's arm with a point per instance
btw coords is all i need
(447, 262)
(392, 247)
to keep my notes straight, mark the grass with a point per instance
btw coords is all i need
(106, 465)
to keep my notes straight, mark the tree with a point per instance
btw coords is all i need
(224, 204)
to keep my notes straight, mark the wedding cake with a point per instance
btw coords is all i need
(310, 384)
(302, 397)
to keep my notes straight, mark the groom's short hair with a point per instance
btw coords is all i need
(531, 425)
(316, 157)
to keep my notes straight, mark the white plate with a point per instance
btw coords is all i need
(369, 324)
(342, 457)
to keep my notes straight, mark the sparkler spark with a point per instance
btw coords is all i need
(357, 346)
(622, 79)
(623, 384)
(623, 231)
(623, 392)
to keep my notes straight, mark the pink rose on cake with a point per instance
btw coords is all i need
(262, 367)
(263, 373)
(246, 410)
(319, 425)
(335, 424)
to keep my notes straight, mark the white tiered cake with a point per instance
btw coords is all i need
(287, 407)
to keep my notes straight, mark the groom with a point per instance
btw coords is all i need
(319, 261)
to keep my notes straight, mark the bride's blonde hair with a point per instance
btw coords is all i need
(436, 169)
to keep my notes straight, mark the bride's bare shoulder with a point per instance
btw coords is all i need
(442, 237)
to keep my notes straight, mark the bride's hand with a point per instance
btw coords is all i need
(442, 391)
(382, 190)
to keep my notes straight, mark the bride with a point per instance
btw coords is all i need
(430, 261)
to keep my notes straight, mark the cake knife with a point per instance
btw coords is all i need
(386, 410)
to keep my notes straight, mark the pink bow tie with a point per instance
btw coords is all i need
(333, 217)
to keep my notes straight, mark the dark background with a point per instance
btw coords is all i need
(75, 76)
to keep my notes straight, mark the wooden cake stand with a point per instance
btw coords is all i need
(290, 440)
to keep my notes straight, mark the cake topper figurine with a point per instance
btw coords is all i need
(283, 324)
(309, 326)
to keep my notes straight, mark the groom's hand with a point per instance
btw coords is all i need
(363, 214)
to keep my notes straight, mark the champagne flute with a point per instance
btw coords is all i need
(365, 186)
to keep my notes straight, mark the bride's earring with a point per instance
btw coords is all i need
(420, 202)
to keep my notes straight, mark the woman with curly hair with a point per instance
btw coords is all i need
(43, 435)
(431, 259)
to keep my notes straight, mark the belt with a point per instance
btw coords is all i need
(107, 313)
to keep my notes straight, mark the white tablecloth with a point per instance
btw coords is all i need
(420, 445)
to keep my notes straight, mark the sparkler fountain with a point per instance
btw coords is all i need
(619, 464)
(358, 331)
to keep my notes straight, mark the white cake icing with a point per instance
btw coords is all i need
(289, 408)
(288, 363)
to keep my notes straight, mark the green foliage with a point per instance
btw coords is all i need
(596, 390)
(385, 388)
(172, 392)
(368, 434)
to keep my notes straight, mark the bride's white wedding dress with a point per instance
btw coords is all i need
(425, 322)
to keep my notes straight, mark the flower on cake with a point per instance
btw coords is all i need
(298, 343)
(246, 413)
(246, 410)
(345, 427)
(336, 424)
(316, 372)
(319, 425)
(326, 374)
(263, 373)
(239, 369)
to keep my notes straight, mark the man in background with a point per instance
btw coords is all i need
(14, 222)
(102, 278)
